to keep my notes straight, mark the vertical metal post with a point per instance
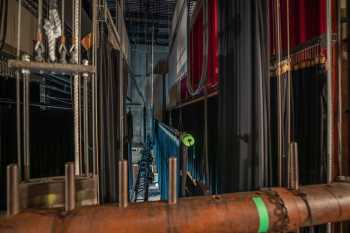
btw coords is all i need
(329, 100)
(172, 185)
(289, 79)
(152, 70)
(26, 118)
(86, 120)
(293, 164)
(121, 85)
(69, 191)
(340, 101)
(76, 85)
(184, 169)
(18, 94)
(123, 183)
(76, 99)
(205, 53)
(94, 86)
(144, 123)
(95, 151)
(329, 94)
(279, 98)
(12, 190)
(296, 162)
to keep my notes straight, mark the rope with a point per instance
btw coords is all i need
(3, 22)
(62, 50)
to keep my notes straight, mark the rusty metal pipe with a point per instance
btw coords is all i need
(172, 186)
(312, 205)
(123, 183)
(12, 190)
(26, 117)
(69, 187)
(51, 67)
(293, 166)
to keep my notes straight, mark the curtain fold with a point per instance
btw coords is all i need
(166, 145)
(243, 135)
(108, 117)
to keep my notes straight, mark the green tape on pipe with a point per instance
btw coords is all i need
(264, 220)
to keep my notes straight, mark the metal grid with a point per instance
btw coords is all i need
(142, 16)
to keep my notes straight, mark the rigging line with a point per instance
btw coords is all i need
(10, 102)
(329, 98)
(18, 94)
(279, 96)
(57, 99)
(289, 113)
(340, 102)
(137, 88)
(3, 23)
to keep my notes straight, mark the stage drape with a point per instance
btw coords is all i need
(196, 49)
(108, 117)
(307, 21)
(166, 145)
(309, 123)
(51, 136)
(243, 122)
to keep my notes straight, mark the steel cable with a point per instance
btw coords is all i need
(3, 23)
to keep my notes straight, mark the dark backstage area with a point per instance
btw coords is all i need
(174, 116)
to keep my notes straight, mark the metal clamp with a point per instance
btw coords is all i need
(26, 58)
(39, 50)
(62, 50)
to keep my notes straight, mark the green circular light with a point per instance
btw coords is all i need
(187, 139)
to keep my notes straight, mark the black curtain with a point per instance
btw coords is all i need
(108, 100)
(309, 123)
(8, 146)
(51, 141)
(243, 122)
(51, 136)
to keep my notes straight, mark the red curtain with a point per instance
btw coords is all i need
(307, 20)
(196, 50)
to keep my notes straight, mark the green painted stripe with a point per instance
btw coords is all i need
(264, 220)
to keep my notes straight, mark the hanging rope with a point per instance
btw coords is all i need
(62, 50)
(74, 51)
(3, 22)
(52, 27)
(39, 48)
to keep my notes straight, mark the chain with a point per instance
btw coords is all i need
(281, 211)
(303, 196)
